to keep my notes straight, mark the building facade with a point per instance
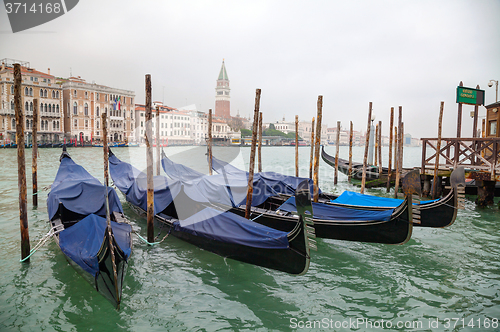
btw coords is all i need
(35, 85)
(222, 97)
(84, 104)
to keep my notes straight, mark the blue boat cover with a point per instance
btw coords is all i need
(357, 199)
(282, 184)
(82, 241)
(79, 192)
(179, 171)
(331, 212)
(225, 189)
(231, 228)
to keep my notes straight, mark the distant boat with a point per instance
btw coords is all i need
(301, 143)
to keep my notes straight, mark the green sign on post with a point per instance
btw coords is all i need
(470, 96)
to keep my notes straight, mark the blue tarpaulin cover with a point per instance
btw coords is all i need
(357, 199)
(283, 184)
(82, 241)
(231, 228)
(330, 212)
(79, 192)
(228, 189)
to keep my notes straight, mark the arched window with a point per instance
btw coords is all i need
(13, 124)
(46, 125)
(42, 125)
(53, 125)
(41, 108)
(53, 108)
(26, 106)
(12, 89)
(74, 93)
(26, 91)
(50, 108)
(45, 93)
(97, 124)
(57, 125)
(86, 108)
(57, 94)
(86, 95)
(53, 94)
(97, 111)
(27, 124)
(57, 108)
(45, 108)
(41, 92)
(31, 106)
(11, 105)
(31, 124)
(75, 108)
(31, 92)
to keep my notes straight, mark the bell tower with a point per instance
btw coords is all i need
(222, 104)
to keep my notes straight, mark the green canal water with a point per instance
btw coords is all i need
(441, 280)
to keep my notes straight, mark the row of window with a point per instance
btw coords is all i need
(44, 124)
(122, 99)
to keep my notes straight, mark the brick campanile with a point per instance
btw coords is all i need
(222, 103)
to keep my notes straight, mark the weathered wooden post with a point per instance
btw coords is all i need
(149, 160)
(337, 145)
(438, 152)
(367, 140)
(399, 162)
(259, 149)
(389, 170)
(380, 149)
(297, 146)
(312, 150)
(108, 217)
(316, 151)
(209, 144)
(396, 146)
(157, 140)
(376, 145)
(252, 154)
(459, 120)
(34, 152)
(476, 109)
(349, 172)
(21, 165)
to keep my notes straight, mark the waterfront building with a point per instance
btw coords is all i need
(35, 84)
(305, 129)
(222, 97)
(83, 105)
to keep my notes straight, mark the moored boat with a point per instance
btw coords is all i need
(98, 250)
(181, 208)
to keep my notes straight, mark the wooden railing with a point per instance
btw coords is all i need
(481, 154)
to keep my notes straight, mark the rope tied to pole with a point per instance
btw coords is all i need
(53, 231)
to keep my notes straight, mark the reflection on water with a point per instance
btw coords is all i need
(439, 273)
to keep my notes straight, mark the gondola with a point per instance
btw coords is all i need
(269, 208)
(437, 213)
(372, 172)
(77, 213)
(188, 215)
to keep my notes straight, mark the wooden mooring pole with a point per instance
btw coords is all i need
(367, 141)
(316, 151)
(400, 152)
(21, 165)
(34, 152)
(380, 148)
(389, 170)
(209, 144)
(157, 140)
(438, 152)
(296, 146)
(376, 145)
(149, 161)
(459, 120)
(259, 148)
(349, 172)
(252, 154)
(311, 159)
(337, 145)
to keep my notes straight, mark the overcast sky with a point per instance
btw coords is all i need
(393, 53)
